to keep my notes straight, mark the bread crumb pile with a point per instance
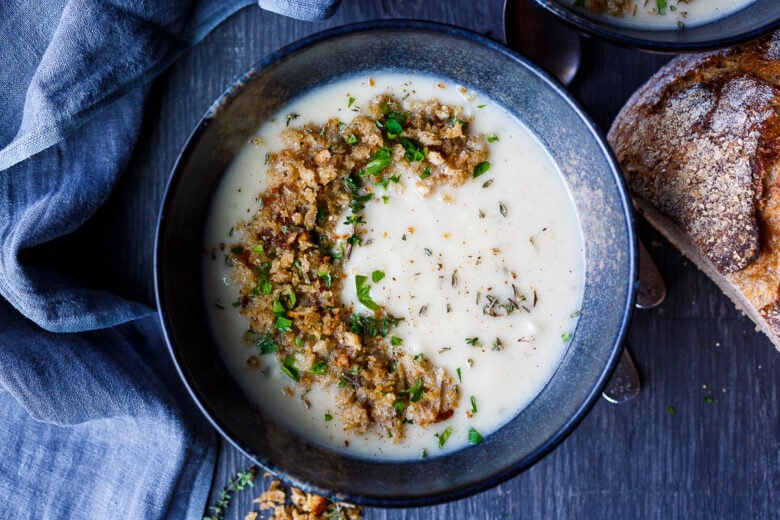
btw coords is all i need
(301, 506)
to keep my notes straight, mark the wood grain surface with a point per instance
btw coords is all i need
(702, 440)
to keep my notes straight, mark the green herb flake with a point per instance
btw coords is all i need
(443, 436)
(474, 342)
(481, 168)
(351, 138)
(378, 162)
(266, 345)
(237, 250)
(566, 337)
(283, 324)
(426, 173)
(393, 128)
(290, 117)
(320, 368)
(708, 399)
(238, 483)
(412, 150)
(371, 326)
(350, 101)
(396, 341)
(377, 276)
(492, 138)
(364, 293)
(258, 249)
(661, 5)
(460, 378)
(670, 410)
(415, 392)
(328, 417)
(474, 436)
(289, 368)
(326, 278)
(473, 404)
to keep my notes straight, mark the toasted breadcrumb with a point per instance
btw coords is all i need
(303, 506)
(288, 261)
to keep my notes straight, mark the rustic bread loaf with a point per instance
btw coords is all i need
(699, 145)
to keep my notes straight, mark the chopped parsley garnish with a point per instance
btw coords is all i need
(413, 151)
(283, 324)
(415, 392)
(393, 128)
(396, 341)
(492, 138)
(474, 436)
(364, 293)
(661, 5)
(289, 368)
(328, 417)
(426, 173)
(443, 436)
(350, 101)
(474, 342)
(319, 368)
(326, 278)
(351, 138)
(566, 337)
(258, 249)
(264, 342)
(473, 404)
(377, 276)
(378, 162)
(481, 168)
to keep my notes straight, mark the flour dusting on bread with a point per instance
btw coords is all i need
(699, 145)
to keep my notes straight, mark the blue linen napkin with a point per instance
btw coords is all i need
(94, 422)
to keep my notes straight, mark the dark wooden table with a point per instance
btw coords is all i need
(702, 440)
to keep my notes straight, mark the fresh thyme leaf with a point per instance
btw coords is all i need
(291, 116)
(238, 483)
(371, 326)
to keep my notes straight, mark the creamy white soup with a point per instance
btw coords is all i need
(662, 14)
(483, 280)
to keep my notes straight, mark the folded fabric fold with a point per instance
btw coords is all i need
(95, 423)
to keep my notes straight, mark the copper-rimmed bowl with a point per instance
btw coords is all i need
(563, 129)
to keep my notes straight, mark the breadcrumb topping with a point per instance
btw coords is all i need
(288, 259)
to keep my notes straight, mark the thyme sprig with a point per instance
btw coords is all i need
(238, 483)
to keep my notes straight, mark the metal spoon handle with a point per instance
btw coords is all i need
(652, 289)
(624, 383)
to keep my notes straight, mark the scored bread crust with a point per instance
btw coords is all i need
(699, 146)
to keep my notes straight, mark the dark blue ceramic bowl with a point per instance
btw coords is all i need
(751, 22)
(589, 170)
